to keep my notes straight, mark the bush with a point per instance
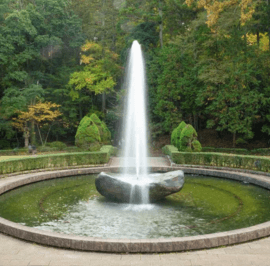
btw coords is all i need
(46, 149)
(184, 137)
(87, 136)
(73, 149)
(175, 137)
(104, 132)
(188, 135)
(57, 144)
(197, 147)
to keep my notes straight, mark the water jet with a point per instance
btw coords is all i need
(135, 184)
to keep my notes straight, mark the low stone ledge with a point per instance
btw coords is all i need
(131, 245)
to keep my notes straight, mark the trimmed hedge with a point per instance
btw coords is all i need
(264, 151)
(218, 159)
(226, 150)
(57, 160)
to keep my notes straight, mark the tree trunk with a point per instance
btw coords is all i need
(26, 136)
(40, 136)
(32, 133)
(234, 139)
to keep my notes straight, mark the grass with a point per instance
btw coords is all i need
(2, 158)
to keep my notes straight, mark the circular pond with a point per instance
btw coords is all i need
(72, 205)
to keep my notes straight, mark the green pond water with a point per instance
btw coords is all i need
(72, 205)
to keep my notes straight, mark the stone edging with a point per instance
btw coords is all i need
(130, 245)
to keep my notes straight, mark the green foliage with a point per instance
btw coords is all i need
(176, 134)
(188, 135)
(109, 149)
(91, 133)
(196, 145)
(173, 137)
(47, 149)
(40, 41)
(216, 78)
(169, 150)
(112, 120)
(173, 86)
(104, 132)
(87, 136)
(226, 150)
(146, 34)
(16, 151)
(99, 72)
(4, 144)
(184, 137)
(57, 144)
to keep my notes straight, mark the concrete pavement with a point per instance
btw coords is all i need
(14, 252)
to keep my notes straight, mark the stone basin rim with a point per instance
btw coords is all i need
(133, 245)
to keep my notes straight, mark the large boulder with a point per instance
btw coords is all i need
(117, 188)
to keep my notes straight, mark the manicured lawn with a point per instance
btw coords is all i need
(2, 158)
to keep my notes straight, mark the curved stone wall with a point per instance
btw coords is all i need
(131, 245)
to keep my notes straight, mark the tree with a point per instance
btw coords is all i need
(99, 71)
(39, 41)
(42, 114)
(214, 8)
(99, 20)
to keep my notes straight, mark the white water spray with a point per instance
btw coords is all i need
(135, 149)
(135, 136)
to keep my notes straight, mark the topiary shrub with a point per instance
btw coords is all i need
(188, 135)
(184, 138)
(87, 136)
(196, 145)
(175, 137)
(104, 132)
(92, 133)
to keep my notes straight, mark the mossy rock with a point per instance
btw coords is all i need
(176, 134)
(87, 136)
(104, 132)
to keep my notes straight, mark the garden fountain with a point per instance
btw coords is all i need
(69, 213)
(135, 184)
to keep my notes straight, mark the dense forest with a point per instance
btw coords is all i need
(207, 63)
